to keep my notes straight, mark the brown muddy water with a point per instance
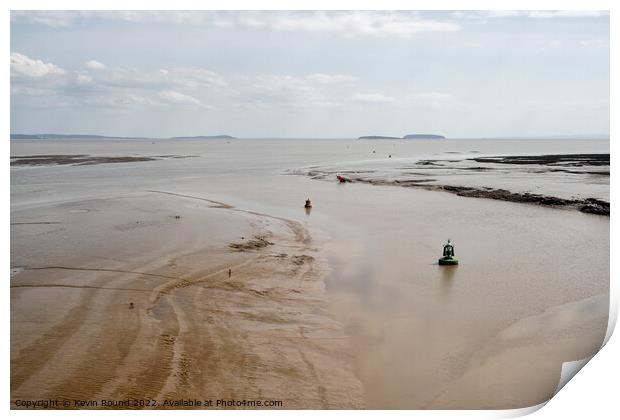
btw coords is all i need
(530, 293)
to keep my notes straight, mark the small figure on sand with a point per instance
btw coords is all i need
(448, 255)
(308, 204)
(229, 272)
(130, 305)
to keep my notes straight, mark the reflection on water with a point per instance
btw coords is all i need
(417, 328)
(418, 332)
(447, 279)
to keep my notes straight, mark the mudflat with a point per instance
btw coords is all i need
(105, 324)
(120, 282)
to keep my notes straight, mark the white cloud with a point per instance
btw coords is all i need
(178, 98)
(536, 14)
(109, 88)
(197, 77)
(348, 24)
(114, 102)
(54, 18)
(545, 14)
(94, 65)
(84, 79)
(22, 65)
(159, 79)
(372, 98)
(344, 23)
(502, 13)
(310, 91)
(99, 86)
(330, 78)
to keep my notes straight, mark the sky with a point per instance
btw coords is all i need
(310, 74)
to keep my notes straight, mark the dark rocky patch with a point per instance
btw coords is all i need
(595, 206)
(253, 244)
(79, 160)
(429, 163)
(564, 160)
(568, 171)
(589, 205)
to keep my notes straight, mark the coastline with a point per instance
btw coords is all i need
(431, 175)
(390, 329)
(262, 334)
(588, 205)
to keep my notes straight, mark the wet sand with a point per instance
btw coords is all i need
(427, 176)
(40, 160)
(264, 333)
(343, 306)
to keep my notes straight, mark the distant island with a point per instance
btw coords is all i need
(95, 137)
(376, 137)
(424, 137)
(55, 136)
(406, 137)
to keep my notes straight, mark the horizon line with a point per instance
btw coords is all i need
(223, 136)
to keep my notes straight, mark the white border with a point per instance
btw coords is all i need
(312, 5)
(593, 394)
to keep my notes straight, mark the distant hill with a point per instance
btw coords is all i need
(95, 137)
(219, 136)
(376, 137)
(67, 136)
(424, 137)
(54, 136)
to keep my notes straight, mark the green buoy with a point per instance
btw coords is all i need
(448, 255)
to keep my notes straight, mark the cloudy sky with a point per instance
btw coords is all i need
(310, 74)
